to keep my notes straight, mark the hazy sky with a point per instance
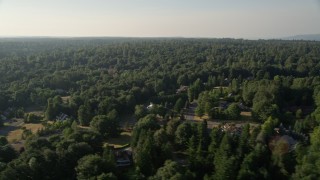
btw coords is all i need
(160, 18)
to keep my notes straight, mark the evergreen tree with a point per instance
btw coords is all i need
(308, 168)
(7, 153)
(179, 105)
(3, 141)
(50, 111)
(172, 127)
(215, 136)
(171, 170)
(91, 166)
(235, 85)
(183, 134)
(84, 115)
(255, 164)
(1, 122)
(106, 125)
(143, 154)
(244, 146)
(233, 111)
(140, 111)
(224, 160)
(160, 137)
(191, 93)
(204, 138)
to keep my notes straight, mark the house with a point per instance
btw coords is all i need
(123, 157)
(223, 104)
(3, 118)
(150, 106)
(62, 117)
(182, 89)
(244, 107)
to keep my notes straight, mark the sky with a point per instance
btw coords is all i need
(248, 19)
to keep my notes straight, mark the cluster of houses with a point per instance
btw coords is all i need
(234, 129)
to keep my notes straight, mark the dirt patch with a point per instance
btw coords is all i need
(14, 136)
(246, 116)
(246, 113)
(198, 118)
(65, 99)
(84, 127)
(18, 145)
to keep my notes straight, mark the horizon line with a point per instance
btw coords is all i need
(154, 37)
(142, 37)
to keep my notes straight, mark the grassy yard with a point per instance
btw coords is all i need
(14, 135)
(123, 139)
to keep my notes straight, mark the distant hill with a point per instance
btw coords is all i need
(308, 37)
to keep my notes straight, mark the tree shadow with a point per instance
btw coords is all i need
(5, 130)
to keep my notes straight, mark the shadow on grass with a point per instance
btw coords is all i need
(5, 130)
(123, 139)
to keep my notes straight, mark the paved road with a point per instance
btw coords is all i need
(190, 116)
(189, 113)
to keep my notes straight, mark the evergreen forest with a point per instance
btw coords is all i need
(159, 108)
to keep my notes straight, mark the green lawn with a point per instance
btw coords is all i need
(123, 139)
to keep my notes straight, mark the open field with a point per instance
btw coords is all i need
(15, 135)
(13, 127)
(33, 127)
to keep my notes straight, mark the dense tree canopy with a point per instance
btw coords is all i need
(199, 108)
